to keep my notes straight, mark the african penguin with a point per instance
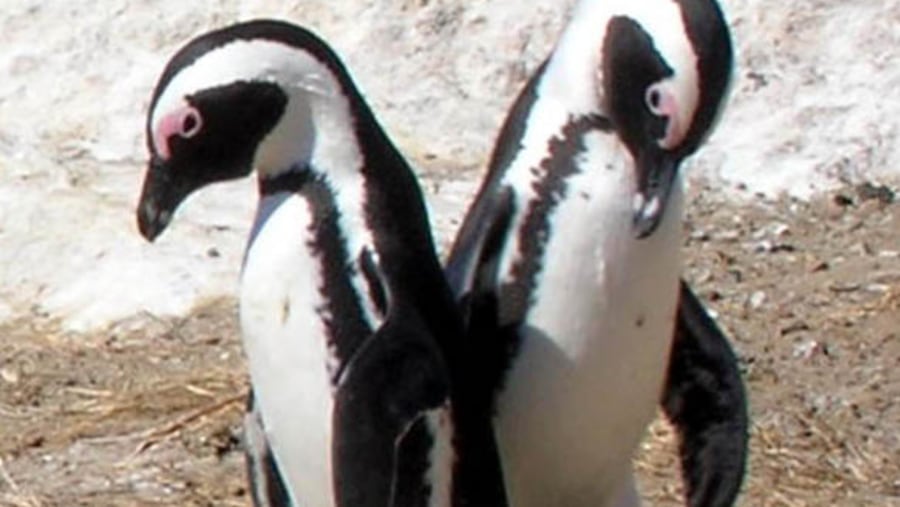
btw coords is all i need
(350, 329)
(567, 264)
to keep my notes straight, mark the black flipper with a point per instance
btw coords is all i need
(473, 264)
(266, 484)
(472, 271)
(477, 476)
(381, 444)
(704, 398)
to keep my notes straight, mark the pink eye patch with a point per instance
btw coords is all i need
(669, 107)
(661, 102)
(184, 122)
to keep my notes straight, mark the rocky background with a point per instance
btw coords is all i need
(120, 371)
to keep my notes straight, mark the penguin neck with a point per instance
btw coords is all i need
(317, 142)
(339, 145)
(572, 79)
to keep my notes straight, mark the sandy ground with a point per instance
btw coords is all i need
(808, 292)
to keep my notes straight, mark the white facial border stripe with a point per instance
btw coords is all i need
(242, 60)
(575, 68)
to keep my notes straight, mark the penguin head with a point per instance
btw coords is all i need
(231, 101)
(659, 71)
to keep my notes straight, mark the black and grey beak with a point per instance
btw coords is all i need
(656, 176)
(161, 195)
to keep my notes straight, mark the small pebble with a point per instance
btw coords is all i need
(842, 200)
(764, 246)
(820, 266)
(699, 235)
(880, 193)
(845, 287)
(794, 327)
(877, 287)
(780, 229)
(730, 235)
(9, 376)
(806, 349)
(757, 299)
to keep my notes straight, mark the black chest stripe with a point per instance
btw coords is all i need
(289, 181)
(560, 164)
(342, 312)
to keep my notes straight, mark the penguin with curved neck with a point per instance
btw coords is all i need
(351, 333)
(567, 263)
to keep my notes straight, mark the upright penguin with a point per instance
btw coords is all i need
(568, 262)
(349, 327)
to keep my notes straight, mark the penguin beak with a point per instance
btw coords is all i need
(656, 176)
(161, 195)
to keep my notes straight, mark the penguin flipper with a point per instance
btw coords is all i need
(267, 487)
(704, 398)
(474, 260)
(383, 444)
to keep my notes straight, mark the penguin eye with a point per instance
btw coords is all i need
(653, 98)
(190, 123)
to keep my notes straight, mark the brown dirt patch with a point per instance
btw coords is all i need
(149, 415)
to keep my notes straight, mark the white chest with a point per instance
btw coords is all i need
(594, 348)
(286, 347)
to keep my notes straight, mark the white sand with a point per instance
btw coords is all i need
(816, 101)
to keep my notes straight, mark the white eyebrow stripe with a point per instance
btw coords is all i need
(583, 40)
(243, 60)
